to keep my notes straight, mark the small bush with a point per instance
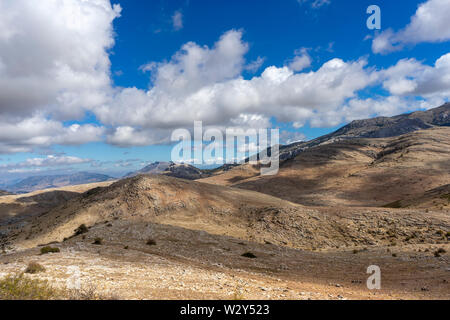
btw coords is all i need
(98, 241)
(48, 249)
(394, 255)
(151, 242)
(19, 287)
(126, 247)
(439, 252)
(249, 255)
(394, 205)
(34, 267)
(81, 229)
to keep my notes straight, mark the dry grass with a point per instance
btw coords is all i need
(47, 249)
(34, 267)
(21, 287)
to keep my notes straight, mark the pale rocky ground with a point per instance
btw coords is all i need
(196, 265)
(190, 264)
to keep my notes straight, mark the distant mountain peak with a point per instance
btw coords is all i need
(172, 169)
(379, 127)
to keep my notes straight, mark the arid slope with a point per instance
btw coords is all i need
(356, 172)
(219, 210)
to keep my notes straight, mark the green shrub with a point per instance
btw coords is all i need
(48, 249)
(81, 229)
(394, 205)
(151, 242)
(34, 267)
(249, 255)
(98, 241)
(439, 252)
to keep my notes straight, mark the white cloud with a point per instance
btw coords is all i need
(201, 83)
(127, 136)
(411, 77)
(177, 20)
(430, 23)
(301, 61)
(255, 65)
(54, 55)
(315, 4)
(48, 162)
(288, 137)
(38, 132)
(54, 65)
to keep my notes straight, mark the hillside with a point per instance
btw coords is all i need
(35, 183)
(247, 215)
(4, 193)
(354, 172)
(437, 198)
(15, 208)
(182, 171)
(380, 127)
(154, 236)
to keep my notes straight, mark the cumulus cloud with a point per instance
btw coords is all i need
(255, 65)
(411, 77)
(301, 61)
(201, 83)
(38, 132)
(48, 162)
(54, 55)
(430, 23)
(127, 136)
(288, 137)
(54, 65)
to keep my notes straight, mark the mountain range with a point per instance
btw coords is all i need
(380, 127)
(4, 193)
(55, 181)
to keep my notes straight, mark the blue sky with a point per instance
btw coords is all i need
(111, 118)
